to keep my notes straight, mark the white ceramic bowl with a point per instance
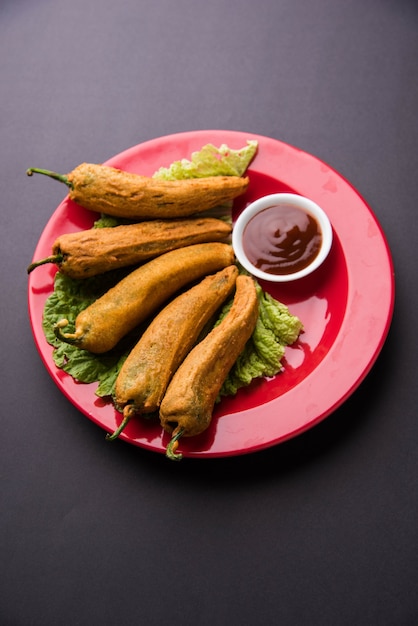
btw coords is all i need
(279, 200)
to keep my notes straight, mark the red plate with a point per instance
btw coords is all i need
(346, 306)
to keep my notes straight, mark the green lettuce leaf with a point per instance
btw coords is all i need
(67, 300)
(107, 221)
(211, 161)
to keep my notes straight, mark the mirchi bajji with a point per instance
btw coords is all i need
(187, 407)
(100, 326)
(148, 369)
(97, 250)
(115, 192)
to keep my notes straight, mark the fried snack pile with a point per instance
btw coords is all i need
(150, 366)
(155, 330)
(99, 327)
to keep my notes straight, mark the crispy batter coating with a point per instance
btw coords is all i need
(97, 250)
(115, 192)
(100, 326)
(188, 404)
(145, 374)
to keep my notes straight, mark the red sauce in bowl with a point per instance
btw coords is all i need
(282, 239)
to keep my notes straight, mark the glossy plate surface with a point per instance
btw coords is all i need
(346, 306)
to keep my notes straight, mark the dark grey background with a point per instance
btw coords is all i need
(319, 531)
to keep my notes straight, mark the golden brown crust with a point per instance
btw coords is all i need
(97, 250)
(145, 374)
(108, 190)
(100, 326)
(189, 401)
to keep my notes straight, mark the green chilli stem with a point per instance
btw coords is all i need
(172, 447)
(128, 412)
(61, 177)
(67, 337)
(56, 258)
